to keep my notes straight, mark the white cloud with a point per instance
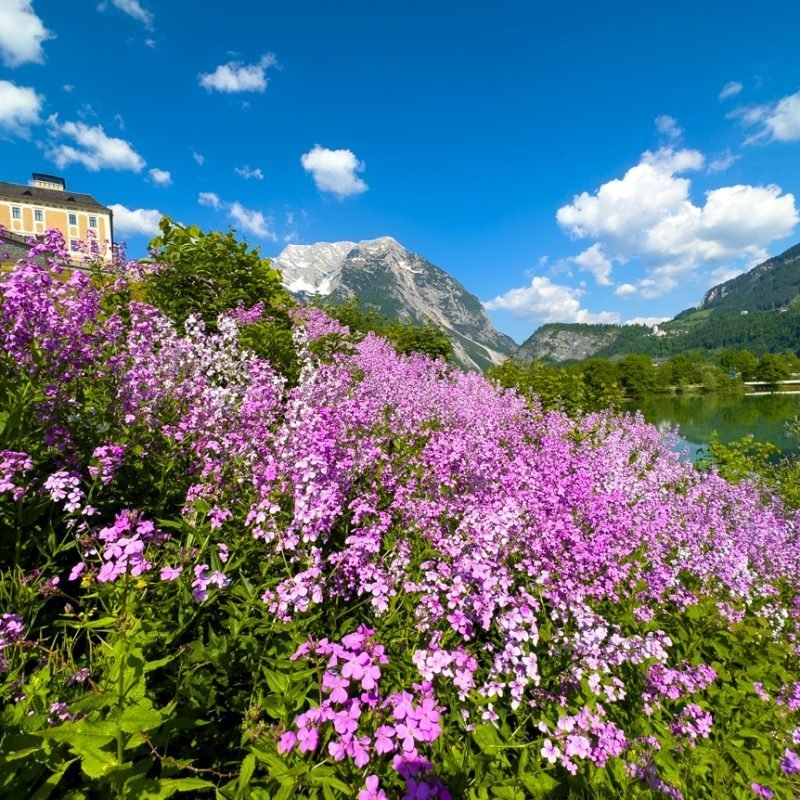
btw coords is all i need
(667, 159)
(334, 171)
(778, 121)
(133, 8)
(668, 126)
(723, 161)
(68, 87)
(22, 33)
(625, 289)
(251, 221)
(135, 222)
(649, 321)
(648, 214)
(95, 149)
(20, 107)
(545, 301)
(236, 77)
(209, 199)
(120, 120)
(247, 173)
(594, 260)
(198, 157)
(160, 177)
(730, 89)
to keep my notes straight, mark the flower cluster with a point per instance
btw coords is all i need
(585, 735)
(11, 630)
(13, 467)
(692, 724)
(359, 723)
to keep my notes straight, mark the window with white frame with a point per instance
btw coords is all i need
(73, 219)
(38, 215)
(16, 212)
(92, 222)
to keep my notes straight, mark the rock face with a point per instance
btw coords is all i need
(400, 284)
(567, 343)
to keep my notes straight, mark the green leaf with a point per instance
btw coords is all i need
(97, 763)
(139, 718)
(486, 738)
(247, 769)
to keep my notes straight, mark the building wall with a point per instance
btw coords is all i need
(55, 218)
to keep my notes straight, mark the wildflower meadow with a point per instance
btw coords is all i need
(247, 552)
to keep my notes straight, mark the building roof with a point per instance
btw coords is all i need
(53, 197)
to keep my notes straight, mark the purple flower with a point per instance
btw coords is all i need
(372, 790)
(170, 573)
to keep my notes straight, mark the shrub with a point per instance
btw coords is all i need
(392, 579)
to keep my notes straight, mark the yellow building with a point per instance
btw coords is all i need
(46, 203)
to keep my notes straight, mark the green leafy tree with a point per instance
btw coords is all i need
(638, 375)
(405, 337)
(772, 368)
(208, 273)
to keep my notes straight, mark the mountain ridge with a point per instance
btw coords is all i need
(757, 310)
(383, 274)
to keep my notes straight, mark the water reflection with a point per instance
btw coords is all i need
(732, 416)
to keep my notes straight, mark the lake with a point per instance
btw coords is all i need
(732, 416)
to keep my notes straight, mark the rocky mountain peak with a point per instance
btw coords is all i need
(385, 275)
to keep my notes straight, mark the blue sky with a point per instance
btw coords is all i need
(574, 161)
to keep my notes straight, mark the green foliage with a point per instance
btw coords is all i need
(574, 390)
(208, 273)
(759, 462)
(405, 337)
(772, 368)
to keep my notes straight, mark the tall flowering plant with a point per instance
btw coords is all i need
(377, 577)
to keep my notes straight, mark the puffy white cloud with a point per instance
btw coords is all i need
(235, 77)
(777, 121)
(648, 214)
(93, 148)
(20, 107)
(251, 221)
(545, 301)
(135, 222)
(160, 177)
(625, 289)
(334, 171)
(594, 260)
(730, 89)
(667, 159)
(133, 8)
(668, 126)
(247, 173)
(209, 199)
(649, 321)
(22, 33)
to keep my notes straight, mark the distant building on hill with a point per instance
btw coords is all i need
(46, 203)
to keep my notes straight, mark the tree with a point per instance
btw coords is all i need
(208, 273)
(638, 375)
(772, 368)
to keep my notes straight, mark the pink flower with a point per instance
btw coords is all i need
(287, 742)
(372, 790)
(170, 573)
